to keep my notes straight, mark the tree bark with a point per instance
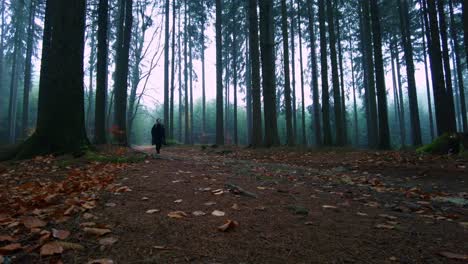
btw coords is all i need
(257, 135)
(186, 80)
(301, 68)
(410, 72)
(267, 43)
(293, 69)
(465, 28)
(61, 122)
(171, 106)
(287, 79)
(166, 65)
(219, 76)
(101, 74)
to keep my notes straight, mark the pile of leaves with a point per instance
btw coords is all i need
(39, 196)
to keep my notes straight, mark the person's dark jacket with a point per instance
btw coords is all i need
(158, 135)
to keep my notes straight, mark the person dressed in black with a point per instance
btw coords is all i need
(158, 135)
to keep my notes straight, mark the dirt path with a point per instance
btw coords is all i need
(301, 214)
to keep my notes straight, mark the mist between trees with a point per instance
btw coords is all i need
(375, 74)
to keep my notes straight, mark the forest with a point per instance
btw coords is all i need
(343, 120)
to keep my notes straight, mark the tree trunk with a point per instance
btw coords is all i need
(15, 71)
(60, 123)
(186, 80)
(397, 85)
(437, 72)
(353, 81)
(301, 68)
(287, 80)
(191, 82)
(257, 135)
(465, 28)
(234, 80)
(327, 137)
(425, 35)
(340, 64)
(203, 77)
(166, 65)
(219, 76)
(28, 69)
(458, 64)
(335, 78)
(121, 75)
(267, 43)
(248, 80)
(179, 52)
(2, 45)
(101, 74)
(92, 60)
(372, 130)
(293, 69)
(410, 72)
(171, 106)
(446, 62)
(401, 105)
(314, 84)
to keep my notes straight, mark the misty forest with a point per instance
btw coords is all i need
(286, 131)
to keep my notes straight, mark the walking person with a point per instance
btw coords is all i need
(158, 135)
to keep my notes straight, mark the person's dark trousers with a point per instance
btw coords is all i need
(158, 148)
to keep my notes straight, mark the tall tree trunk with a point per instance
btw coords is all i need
(410, 72)
(437, 72)
(446, 62)
(426, 35)
(203, 77)
(171, 106)
(166, 65)
(287, 80)
(401, 105)
(384, 130)
(372, 129)
(191, 81)
(456, 91)
(267, 43)
(458, 64)
(186, 80)
(17, 51)
(314, 84)
(465, 27)
(28, 68)
(219, 76)
(293, 69)
(398, 100)
(121, 75)
(234, 80)
(60, 122)
(335, 78)
(353, 81)
(257, 135)
(340, 64)
(179, 52)
(101, 73)
(92, 61)
(301, 68)
(327, 137)
(2, 44)
(248, 80)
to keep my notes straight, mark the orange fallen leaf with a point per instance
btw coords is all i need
(33, 222)
(51, 248)
(60, 234)
(230, 224)
(451, 255)
(97, 231)
(10, 248)
(69, 246)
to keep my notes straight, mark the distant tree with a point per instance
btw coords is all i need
(465, 27)
(60, 122)
(287, 80)
(166, 64)
(172, 89)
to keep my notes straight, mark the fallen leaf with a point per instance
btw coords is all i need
(2, 259)
(361, 214)
(384, 226)
(152, 211)
(218, 213)
(178, 201)
(32, 222)
(209, 203)
(108, 241)
(69, 246)
(123, 189)
(230, 224)
(10, 248)
(329, 207)
(235, 207)
(60, 234)
(160, 247)
(97, 231)
(177, 214)
(451, 255)
(309, 223)
(101, 261)
(7, 239)
(390, 217)
(51, 248)
(110, 204)
(88, 216)
(144, 198)
(199, 213)
(87, 224)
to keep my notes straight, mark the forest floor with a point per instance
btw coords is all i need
(236, 205)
